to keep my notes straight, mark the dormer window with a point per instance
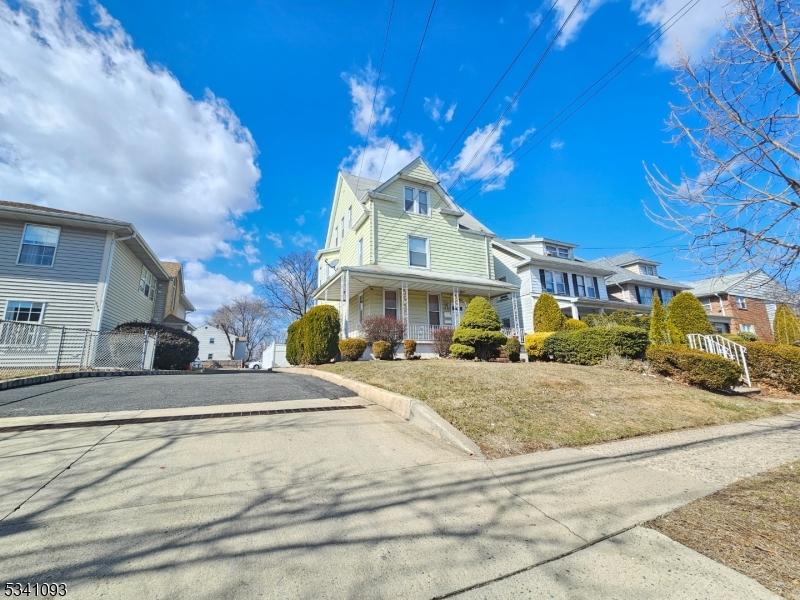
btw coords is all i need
(416, 201)
(648, 270)
(557, 251)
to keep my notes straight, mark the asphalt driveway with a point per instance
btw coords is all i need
(101, 394)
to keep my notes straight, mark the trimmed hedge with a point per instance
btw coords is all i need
(320, 335)
(534, 344)
(592, 345)
(382, 350)
(480, 329)
(294, 343)
(695, 367)
(776, 365)
(687, 315)
(617, 317)
(352, 348)
(462, 351)
(512, 348)
(175, 349)
(547, 315)
(574, 324)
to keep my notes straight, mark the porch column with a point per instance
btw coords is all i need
(344, 302)
(515, 314)
(574, 308)
(404, 310)
(455, 308)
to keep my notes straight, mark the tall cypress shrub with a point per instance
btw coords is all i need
(786, 325)
(294, 342)
(659, 330)
(320, 327)
(547, 315)
(687, 315)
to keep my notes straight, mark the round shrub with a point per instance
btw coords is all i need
(512, 348)
(351, 348)
(294, 343)
(462, 351)
(442, 338)
(320, 327)
(175, 349)
(574, 324)
(382, 350)
(687, 315)
(480, 329)
(384, 329)
(786, 326)
(534, 344)
(547, 315)
(694, 367)
(592, 345)
(776, 365)
(409, 348)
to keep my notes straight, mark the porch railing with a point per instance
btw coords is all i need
(422, 332)
(721, 346)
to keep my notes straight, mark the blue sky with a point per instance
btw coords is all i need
(286, 73)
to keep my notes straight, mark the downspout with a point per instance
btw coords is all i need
(721, 305)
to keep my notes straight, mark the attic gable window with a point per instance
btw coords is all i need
(416, 201)
(38, 246)
(557, 251)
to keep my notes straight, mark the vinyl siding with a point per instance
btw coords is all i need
(124, 302)
(452, 250)
(220, 349)
(68, 288)
(347, 243)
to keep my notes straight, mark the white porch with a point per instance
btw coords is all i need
(422, 301)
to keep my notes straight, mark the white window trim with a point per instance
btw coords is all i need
(427, 251)
(349, 217)
(396, 302)
(22, 241)
(41, 316)
(741, 303)
(415, 201)
(441, 311)
(360, 251)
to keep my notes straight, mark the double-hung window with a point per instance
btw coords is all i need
(558, 251)
(416, 201)
(147, 284)
(434, 311)
(211, 340)
(585, 286)
(741, 302)
(26, 312)
(645, 295)
(745, 328)
(649, 270)
(390, 303)
(418, 252)
(39, 244)
(554, 282)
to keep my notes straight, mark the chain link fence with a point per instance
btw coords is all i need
(29, 349)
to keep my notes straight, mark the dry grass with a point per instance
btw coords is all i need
(509, 408)
(752, 526)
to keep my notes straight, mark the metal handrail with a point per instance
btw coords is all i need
(721, 346)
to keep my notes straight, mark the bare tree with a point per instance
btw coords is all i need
(249, 319)
(288, 284)
(742, 124)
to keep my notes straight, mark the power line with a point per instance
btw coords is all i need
(603, 81)
(375, 94)
(519, 92)
(408, 86)
(496, 85)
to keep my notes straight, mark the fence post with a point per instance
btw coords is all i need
(60, 348)
(144, 349)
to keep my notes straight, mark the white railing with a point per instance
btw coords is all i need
(721, 346)
(423, 332)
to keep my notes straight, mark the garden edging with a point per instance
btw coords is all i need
(416, 412)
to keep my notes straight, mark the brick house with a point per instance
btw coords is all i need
(742, 302)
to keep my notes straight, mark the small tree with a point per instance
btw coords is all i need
(786, 326)
(384, 329)
(659, 329)
(686, 315)
(249, 319)
(547, 315)
(479, 329)
(289, 284)
(320, 327)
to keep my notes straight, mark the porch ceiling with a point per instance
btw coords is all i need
(362, 278)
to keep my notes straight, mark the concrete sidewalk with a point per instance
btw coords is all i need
(359, 503)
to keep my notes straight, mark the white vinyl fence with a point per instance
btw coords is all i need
(30, 349)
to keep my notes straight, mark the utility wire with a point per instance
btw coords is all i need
(375, 94)
(408, 86)
(600, 84)
(512, 103)
(496, 85)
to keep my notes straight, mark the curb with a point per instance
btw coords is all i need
(416, 412)
(37, 379)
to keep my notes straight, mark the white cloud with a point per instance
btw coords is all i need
(87, 124)
(301, 240)
(380, 151)
(534, 19)
(300, 220)
(557, 144)
(275, 238)
(482, 158)
(692, 36)
(521, 138)
(434, 108)
(563, 8)
(208, 290)
(364, 87)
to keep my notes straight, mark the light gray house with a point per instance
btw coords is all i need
(635, 280)
(214, 345)
(62, 268)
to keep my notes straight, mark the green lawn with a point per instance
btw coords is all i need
(509, 408)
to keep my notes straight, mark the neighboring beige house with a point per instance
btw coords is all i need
(635, 281)
(62, 268)
(405, 249)
(172, 303)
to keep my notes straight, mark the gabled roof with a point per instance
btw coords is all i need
(528, 256)
(623, 275)
(360, 185)
(535, 239)
(752, 284)
(629, 258)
